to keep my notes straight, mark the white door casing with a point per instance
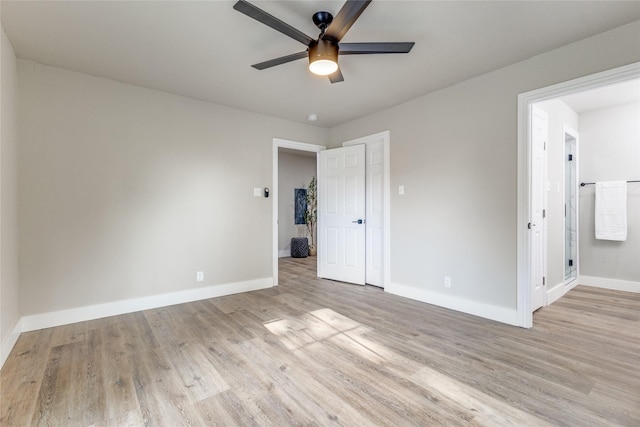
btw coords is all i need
(341, 214)
(539, 137)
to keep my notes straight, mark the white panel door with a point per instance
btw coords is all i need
(341, 214)
(539, 131)
(375, 213)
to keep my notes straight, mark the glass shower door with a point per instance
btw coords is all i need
(570, 208)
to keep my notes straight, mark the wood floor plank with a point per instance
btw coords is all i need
(226, 409)
(119, 390)
(486, 410)
(318, 352)
(161, 396)
(30, 356)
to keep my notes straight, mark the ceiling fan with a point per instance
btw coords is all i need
(323, 52)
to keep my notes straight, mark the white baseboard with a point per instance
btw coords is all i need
(81, 314)
(285, 253)
(614, 284)
(555, 293)
(10, 342)
(559, 290)
(487, 311)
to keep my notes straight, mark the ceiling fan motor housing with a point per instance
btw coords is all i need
(323, 52)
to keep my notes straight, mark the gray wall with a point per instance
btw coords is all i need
(455, 151)
(559, 115)
(9, 293)
(126, 192)
(610, 150)
(294, 171)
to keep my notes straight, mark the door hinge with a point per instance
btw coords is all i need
(570, 263)
(570, 157)
(544, 281)
(544, 213)
(544, 147)
(529, 226)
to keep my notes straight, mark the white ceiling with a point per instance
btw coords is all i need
(604, 97)
(204, 49)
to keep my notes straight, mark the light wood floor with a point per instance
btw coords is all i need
(316, 352)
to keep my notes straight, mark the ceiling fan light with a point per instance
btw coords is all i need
(323, 67)
(323, 57)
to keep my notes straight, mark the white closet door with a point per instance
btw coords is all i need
(375, 213)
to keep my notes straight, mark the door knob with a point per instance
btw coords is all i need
(359, 221)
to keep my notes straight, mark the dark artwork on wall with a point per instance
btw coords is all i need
(300, 203)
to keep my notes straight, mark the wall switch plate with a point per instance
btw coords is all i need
(199, 276)
(447, 281)
(257, 192)
(401, 190)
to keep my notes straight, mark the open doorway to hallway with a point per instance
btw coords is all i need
(296, 170)
(376, 221)
(294, 164)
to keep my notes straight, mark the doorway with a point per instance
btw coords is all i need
(292, 146)
(525, 254)
(377, 202)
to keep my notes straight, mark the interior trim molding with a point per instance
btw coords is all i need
(559, 290)
(555, 293)
(613, 284)
(10, 342)
(284, 253)
(97, 311)
(487, 311)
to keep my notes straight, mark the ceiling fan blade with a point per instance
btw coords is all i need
(260, 15)
(371, 48)
(351, 10)
(281, 60)
(336, 77)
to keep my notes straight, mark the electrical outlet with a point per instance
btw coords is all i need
(447, 281)
(200, 276)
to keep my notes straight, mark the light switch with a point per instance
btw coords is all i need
(257, 192)
(401, 190)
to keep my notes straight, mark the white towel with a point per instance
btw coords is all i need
(611, 210)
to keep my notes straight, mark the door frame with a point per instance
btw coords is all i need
(293, 145)
(525, 100)
(386, 233)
